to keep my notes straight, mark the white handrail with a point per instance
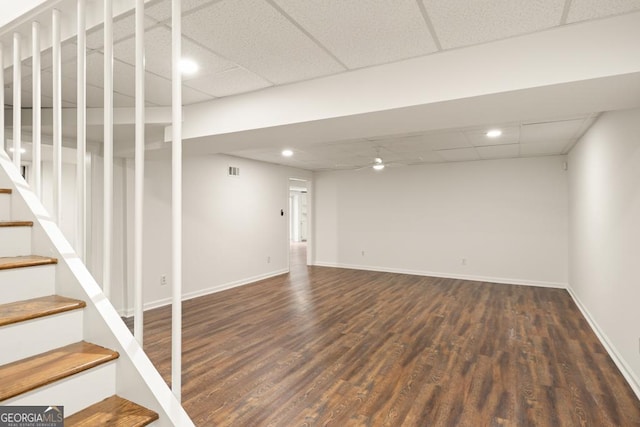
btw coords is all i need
(176, 200)
(108, 149)
(17, 98)
(139, 175)
(57, 114)
(37, 110)
(81, 137)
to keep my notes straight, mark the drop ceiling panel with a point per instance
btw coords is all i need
(459, 154)
(161, 11)
(463, 22)
(230, 82)
(448, 140)
(68, 53)
(361, 33)
(424, 157)
(478, 137)
(544, 148)
(499, 151)
(541, 132)
(124, 27)
(254, 35)
(26, 98)
(25, 71)
(158, 54)
(582, 10)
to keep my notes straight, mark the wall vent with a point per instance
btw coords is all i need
(234, 171)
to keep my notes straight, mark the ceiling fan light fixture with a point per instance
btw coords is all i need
(378, 166)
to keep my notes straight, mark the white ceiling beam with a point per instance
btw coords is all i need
(95, 116)
(590, 51)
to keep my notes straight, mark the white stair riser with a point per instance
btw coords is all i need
(75, 392)
(37, 336)
(5, 207)
(17, 284)
(16, 241)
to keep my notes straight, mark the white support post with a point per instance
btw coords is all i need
(81, 148)
(2, 139)
(138, 320)
(108, 148)
(57, 115)
(17, 98)
(176, 199)
(37, 110)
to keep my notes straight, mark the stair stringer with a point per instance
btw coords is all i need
(136, 377)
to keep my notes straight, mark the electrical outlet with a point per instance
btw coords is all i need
(268, 260)
(463, 261)
(163, 280)
(362, 253)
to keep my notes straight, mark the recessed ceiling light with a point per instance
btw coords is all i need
(22, 150)
(188, 66)
(494, 133)
(378, 166)
(287, 153)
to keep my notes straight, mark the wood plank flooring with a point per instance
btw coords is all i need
(323, 346)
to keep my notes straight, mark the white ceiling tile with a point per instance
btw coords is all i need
(123, 27)
(463, 22)
(161, 11)
(499, 151)
(26, 98)
(448, 140)
(478, 137)
(542, 132)
(459, 154)
(424, 157)
(590, 9)
(361, 33)
(68, 53)
(545, 148)
(158, 54)
(230, 82)
(254, 35)
(120, 100)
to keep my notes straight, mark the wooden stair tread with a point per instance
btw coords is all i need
(21, 311)
(36, 371)
(113, 411)
(16, 223)
(5, 191)
(25, 261)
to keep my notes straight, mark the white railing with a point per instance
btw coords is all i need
(55, 41)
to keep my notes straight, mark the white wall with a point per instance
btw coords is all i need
(506, 218)
(232, 229)
(604, 181)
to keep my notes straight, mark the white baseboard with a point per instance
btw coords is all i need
(207, 291)
(502, 280)
(624, 368)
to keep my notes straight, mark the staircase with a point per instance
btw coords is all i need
(61, 341)
(45, 360)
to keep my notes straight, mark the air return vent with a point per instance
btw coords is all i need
(234, 171)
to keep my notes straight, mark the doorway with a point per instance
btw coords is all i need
(298, 222)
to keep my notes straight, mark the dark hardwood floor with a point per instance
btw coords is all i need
(323, 346)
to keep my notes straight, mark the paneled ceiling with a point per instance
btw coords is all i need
(517, 140)
(248, 45)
